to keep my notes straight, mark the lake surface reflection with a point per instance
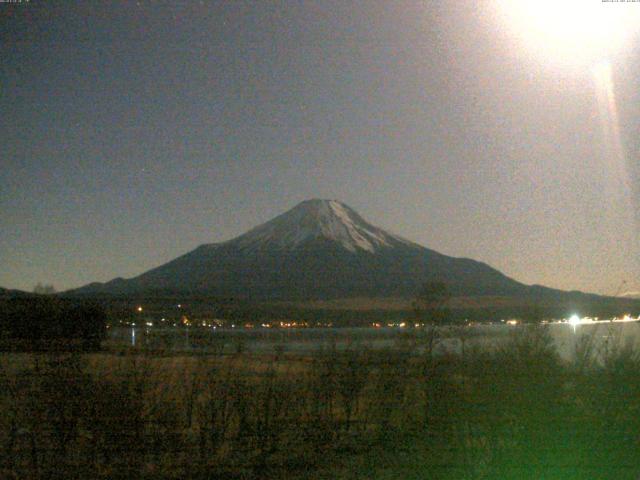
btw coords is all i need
(566, 338)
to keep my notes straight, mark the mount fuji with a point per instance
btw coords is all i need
(320, 249)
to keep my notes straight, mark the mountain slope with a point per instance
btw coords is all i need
(6, 293)
(318, 249)
(314, 219)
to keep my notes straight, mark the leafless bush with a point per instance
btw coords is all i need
(488, 414)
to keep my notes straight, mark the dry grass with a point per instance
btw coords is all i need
(513, 412)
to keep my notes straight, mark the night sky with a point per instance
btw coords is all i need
(133, 132)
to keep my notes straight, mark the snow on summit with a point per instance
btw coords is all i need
(311, 219)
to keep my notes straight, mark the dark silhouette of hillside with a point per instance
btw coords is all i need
(44, 323)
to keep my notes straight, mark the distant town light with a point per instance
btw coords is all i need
(139, 308)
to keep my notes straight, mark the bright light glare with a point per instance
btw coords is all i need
(571, 31)
(574, 320)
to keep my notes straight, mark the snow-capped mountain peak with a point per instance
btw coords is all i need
(312, 219)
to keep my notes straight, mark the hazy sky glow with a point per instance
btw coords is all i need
(133, 132)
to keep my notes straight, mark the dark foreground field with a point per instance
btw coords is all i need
(514, 412)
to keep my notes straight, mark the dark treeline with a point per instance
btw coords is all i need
(244, 311)
(257, 313)
(44, 323)
(516, 411)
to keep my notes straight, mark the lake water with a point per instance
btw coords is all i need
(306, 340)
